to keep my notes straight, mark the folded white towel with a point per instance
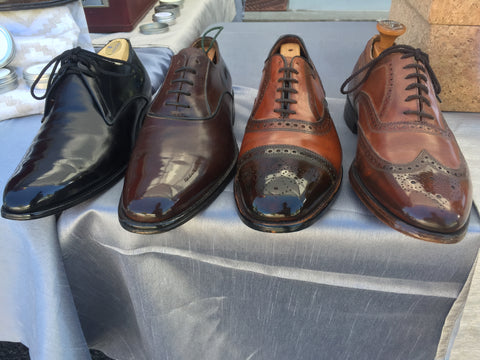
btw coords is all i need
(40, 35)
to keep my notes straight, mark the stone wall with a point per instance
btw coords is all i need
(449, 31)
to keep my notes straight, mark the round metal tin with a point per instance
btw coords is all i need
(166, 17)
(31, 73)
(8, 79)
(391, 24)
(172, 8)
(7, 47)
(170, 2)
(153, 28)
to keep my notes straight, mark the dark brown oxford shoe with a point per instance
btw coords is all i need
(290, 162)
(186, 150)
(408, 169)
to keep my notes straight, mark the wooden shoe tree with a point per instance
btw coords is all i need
(116, 49)
(290, 50)
(389, 30)
(211, 54)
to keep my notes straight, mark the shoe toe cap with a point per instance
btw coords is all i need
(435, 218)
(29, 199)
(273, 190)
(150, 209)
(281, 206)
(426, 203)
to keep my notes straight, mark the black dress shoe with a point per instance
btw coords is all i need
(94, 106)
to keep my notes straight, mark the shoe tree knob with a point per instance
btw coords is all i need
(389, 30)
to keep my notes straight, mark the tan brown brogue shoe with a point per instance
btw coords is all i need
(408, 169)
(186, 151)
(290, 162)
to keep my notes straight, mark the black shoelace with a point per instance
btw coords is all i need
(418, 75)
(186, 69)
(286, 91)
(74, 61)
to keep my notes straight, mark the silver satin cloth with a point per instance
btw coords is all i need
(348, 287)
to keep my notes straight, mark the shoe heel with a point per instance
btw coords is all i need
(350, 116)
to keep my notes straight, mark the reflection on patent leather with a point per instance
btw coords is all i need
(93, 106)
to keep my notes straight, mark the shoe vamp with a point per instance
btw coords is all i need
(73, 140)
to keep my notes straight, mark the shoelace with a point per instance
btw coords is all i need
(76, 61)
(418, 75)
(285, 91)
(185, 69)
(181, 80)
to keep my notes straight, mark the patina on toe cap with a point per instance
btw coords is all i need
(283, 191)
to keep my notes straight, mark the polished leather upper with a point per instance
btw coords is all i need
(92, 111)
(407, 159)
(186, 148)
(290, 160)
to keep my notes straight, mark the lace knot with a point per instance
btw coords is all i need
(68, 62)
(419, 55)
(73, 56)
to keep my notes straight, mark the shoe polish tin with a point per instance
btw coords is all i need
(166, 17)
(172, 2)
(172, 8)
(8, 79)
(32, 72)
(7, 47)
(153, 28)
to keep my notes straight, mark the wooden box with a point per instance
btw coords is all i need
(449, 32)
(107, 16)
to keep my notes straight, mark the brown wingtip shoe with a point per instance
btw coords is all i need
(290, 162)
(186, 151)
(408, 169)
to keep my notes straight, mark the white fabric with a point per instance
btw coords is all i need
(36, 305)
(195, 17)
(348, 287)
(465, 345)
(39, 35)
(470, 149)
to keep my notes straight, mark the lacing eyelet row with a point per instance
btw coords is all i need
(286, 91)
(181, 70)
(422, 67)
(418, 76)
(77, 61)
